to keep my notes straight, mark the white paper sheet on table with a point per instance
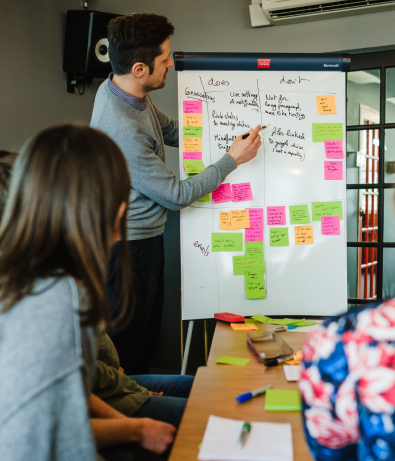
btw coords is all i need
(292, 372)
(266, 441)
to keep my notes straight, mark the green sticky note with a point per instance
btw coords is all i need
(299, 214)
(246, 274)
(261, 318)
(255, 285)
(232, 360)
(288, 321)
(224, 241)
(206, 198)
(255, 322)
(241, 264)
(279, 237)
(192, 131)
(327, 131)
(253, 248)
(282, 400)
(319, 209)
(193, 166)
(307, 323)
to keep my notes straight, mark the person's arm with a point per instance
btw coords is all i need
(152, 178)
(169, 127)
(330, 415)
(113, 428)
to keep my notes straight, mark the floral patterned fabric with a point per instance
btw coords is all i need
(348, 386)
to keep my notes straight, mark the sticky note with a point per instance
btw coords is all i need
(292, 372)
(192, 144)
(225, 223)
(330, 225)
(232, 360)
(253, 248)
(334, 149)
(326, 104)
(192, 120)
(255, 285)
(192, 107)
(255, 232)
(192, 155)
(279, 237)
(282, 400)
(304, 235)
(243, 326)
(241, 192)
(223, 193)
(306, 323)
(193, 166)
(319, 209)
(327, 131)
(275, 216)
(299, 214)
(241, 264)
(333, 170)
(192, 131)
(222, 241)
(261, 318)
(240, 218)
(205, 198)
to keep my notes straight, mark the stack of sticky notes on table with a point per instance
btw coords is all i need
(282, 400)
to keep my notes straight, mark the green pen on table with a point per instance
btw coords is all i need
(244, 434)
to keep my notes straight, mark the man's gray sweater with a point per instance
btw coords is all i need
(141, 135)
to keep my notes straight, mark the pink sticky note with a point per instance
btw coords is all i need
(241, 192)
(192, 155)
(255, 232)
(333, 170)
(334, 149)
(222, 193)
(192, 107)
(330, 225)
(275, 216)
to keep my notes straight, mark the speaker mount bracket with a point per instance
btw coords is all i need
(75, 80)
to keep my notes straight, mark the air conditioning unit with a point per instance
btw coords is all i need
(277, 12)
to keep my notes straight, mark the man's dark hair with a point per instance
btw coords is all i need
(136, 38)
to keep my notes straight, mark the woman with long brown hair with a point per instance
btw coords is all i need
(66, 207)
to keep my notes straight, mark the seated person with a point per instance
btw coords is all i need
(348, 386)
(130, 396)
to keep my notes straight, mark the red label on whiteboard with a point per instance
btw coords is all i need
(263, 63)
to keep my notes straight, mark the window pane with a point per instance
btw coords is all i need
(362, 273)
(362, 215)
(389, 216)
(363, 156)
(388, 273)
(363, 97)
(389, 155)
(390, 95)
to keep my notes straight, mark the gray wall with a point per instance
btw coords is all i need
(34, 87)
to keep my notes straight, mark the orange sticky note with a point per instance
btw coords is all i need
(304, 235)
(225, 223)
(326, 104)
(240, 219)
(192, 119)
(243, 326)
(192, 144)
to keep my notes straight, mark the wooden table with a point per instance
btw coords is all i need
(216, 387)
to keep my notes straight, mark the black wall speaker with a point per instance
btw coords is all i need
(86, 46)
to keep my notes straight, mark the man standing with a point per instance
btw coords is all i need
(140, 55)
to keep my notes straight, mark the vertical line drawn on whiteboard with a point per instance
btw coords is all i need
(264, 178)
(208, 118)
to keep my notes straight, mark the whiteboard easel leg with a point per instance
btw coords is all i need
(187, 345)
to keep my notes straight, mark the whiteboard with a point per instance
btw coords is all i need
(303, 280)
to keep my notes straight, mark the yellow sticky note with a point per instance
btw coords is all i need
(326, 104)
(192, 144)
(225, 222)
(304, 235)
(243, 326)
(193, 120)
(240, 219)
